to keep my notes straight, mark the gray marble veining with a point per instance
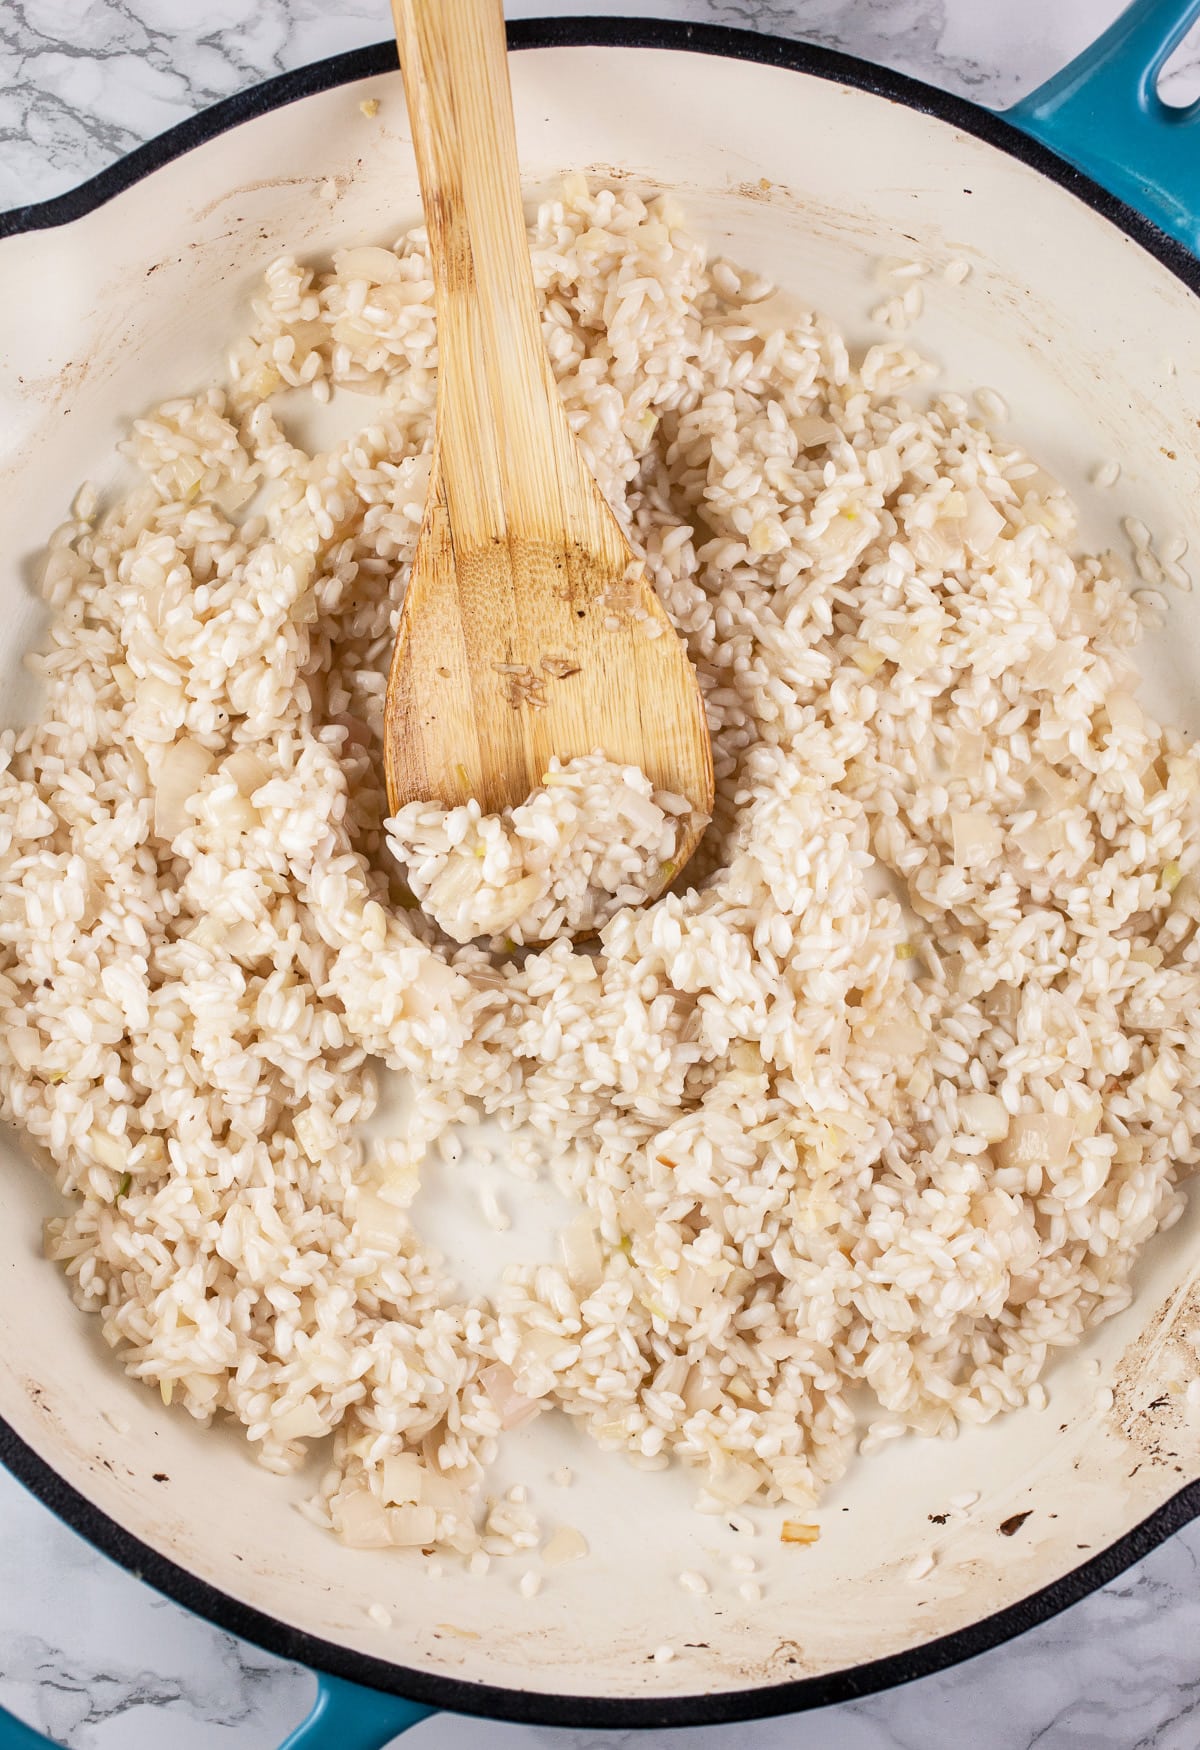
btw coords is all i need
(89, 1654)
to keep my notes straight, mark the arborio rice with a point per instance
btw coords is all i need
(595, 837)
(891, 1099)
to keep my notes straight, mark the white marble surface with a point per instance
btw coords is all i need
(89, 1654)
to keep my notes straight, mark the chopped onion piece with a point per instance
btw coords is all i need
(635, 1217)
(239, 938)
(581, 1254)
(1159, 1086)
(696, 1285)
(1057, 790)
(1040, 1139)
(375, 1218)
(24, 1046)
(984, 524)
(701, 1391)
(984, 1115)
(435, 992)
(440, 1493)
(492, 911)
(1185, 896)
(746, 1057)
(408, 1526)
(797, 1531)
(939, 547)
(229, 812)
(566, 1545)
(794, 1479)
(202, 1390)
(969, 749)
(184, 767)
(360, 1521)
(538, 1350)
(1051, 670)
(246, 770)
(165, 696)
(733, 1481)
(810, 431)
(1041, 839)
(1124, 714)
(1183, 773)
(403, 1475)
(368, 262)
(302, 1422)
(903, 1036)
(110, 1151)
(977, 839)
(499, 1382)
(868, 659)
(775, 310)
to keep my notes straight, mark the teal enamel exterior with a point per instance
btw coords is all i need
(345, 1716)
(1104, 115)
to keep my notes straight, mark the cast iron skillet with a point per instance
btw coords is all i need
(1098, 129)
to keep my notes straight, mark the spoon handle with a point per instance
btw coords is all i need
(504, 449)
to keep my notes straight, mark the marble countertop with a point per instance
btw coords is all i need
(87, 1653)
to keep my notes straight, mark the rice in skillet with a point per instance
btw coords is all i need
(894, 1097)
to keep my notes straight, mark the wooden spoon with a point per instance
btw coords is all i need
(529, 627)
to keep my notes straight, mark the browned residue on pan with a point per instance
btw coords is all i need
(1150, 1405)
(245, 188)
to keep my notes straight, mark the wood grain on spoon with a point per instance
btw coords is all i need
(528, 628)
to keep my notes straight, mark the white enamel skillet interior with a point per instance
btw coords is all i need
(809, 167)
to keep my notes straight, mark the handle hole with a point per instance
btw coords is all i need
(1179, 77)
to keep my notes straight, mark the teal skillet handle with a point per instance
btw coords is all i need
(1103, 114)
(344, 1717)
(15, 1735)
